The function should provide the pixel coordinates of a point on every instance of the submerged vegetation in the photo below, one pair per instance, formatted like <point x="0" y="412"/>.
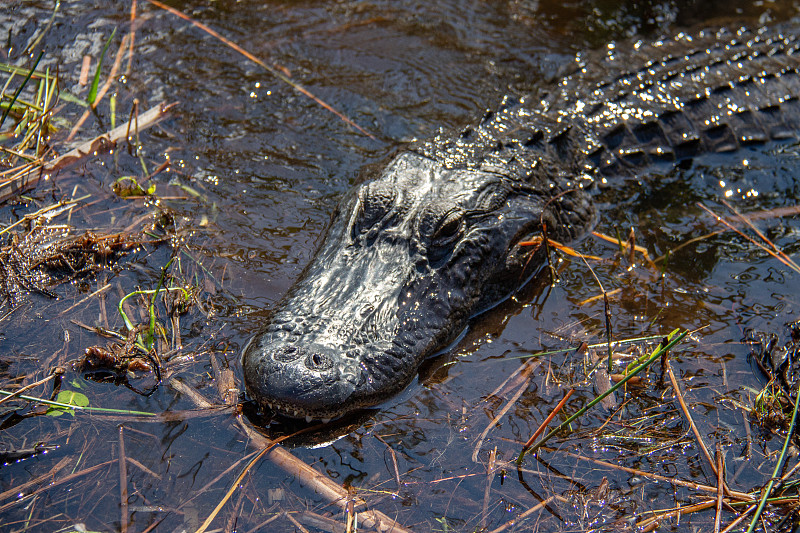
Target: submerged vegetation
<point x="122" y="407"/>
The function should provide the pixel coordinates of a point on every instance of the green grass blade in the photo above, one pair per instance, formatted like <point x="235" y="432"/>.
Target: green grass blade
<point x="151" y="332"/>
<point x="13" y="69"/>
<point x="19" y="89"/>
<point x="76" y="407"/>
<point x="778" y="467"/>
<point x="128" y="324"/>
<point x="42" y="33"/>
<point x="615" y="344"/>
<point x="96" y="80"/>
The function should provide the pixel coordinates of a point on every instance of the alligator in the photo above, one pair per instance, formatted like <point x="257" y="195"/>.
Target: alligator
<point x="435" y="237"/>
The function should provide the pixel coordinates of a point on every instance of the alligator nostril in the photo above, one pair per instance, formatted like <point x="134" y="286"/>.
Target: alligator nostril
<point x="287" y="354"/>
<point x="319" y="362"/>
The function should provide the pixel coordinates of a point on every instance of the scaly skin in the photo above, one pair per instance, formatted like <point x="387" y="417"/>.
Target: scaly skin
<point x="434" y="239"/>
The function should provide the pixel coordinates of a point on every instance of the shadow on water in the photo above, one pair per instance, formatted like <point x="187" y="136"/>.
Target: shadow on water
<point x="255" y="169"/>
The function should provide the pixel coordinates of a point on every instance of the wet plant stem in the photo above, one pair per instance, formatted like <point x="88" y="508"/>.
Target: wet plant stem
<point x="547" y="420"/>
<point x="20" y="88"/>
<point x="778" y="467"/>
<point x="673" y="339"/>
<point x="152" y="308"/>
<point x="19" y="392"/>
<point x="76" y="407"/>
<point x="237" y="482"/>
<point x="687" y="414"/>
<point x="129" y="324"/>
<point x="592" y="346"/>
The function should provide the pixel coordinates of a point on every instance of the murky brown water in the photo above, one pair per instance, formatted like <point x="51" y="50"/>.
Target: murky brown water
<point x="257" y="169"/>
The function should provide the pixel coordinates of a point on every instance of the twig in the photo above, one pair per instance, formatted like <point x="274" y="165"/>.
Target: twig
<point x="59" y="207"/>
<point x="538" y="240"/>
<point x="76" y="304"/>
<point x="123" y="483"/>
<point x="260" y="526"/>
<point x="739" y="519"/>
<point x="487" y="490"/>
<point x="321" y="484"/>
<point x="133" y="37"/>
<point x="236" y="512"/>
<point x="633" y="247"/>
<point x="742" y="496"/>
<point x="525" y="379"/>
<point x="143" y="468"/>
<point x="65" y="479"/>
<point x="226" y="385"/>
<point x="296" y="524"/>
<point x="720" y="488"/>
<point x="394" y="463"/>
<point x="546" y="422"/>
<point x="605" y="295"/>
<point x="607" y="312"/>
<point x="56" y="371"/>
<point x="232" y="488"/>
<point x="323" y="523"/>
<point x="196" y="397"/>
<point x="609" y="334"/>
<point x="758" y="232"/>
<point x="685" y="409"/>
<point x="651" y="522"/>
<point x="17" y="490"/>
<point x="524" y="515"/>
<point x="196" y="493"/>
<point x="779" y="255"/>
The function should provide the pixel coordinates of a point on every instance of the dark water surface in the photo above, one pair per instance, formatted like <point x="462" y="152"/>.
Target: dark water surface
<point x="256" y="171"/>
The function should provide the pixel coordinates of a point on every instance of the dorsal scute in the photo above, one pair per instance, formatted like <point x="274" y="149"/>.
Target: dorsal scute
<point x="636" y="104"/>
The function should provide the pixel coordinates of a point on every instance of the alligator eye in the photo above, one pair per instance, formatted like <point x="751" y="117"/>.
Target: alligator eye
<point x="449" y="228"/>
<point x="375" y="200"/>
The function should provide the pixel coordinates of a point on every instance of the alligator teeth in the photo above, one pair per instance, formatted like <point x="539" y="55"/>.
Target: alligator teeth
<point x="326" y="420"/>
<point x="308" y="419"/>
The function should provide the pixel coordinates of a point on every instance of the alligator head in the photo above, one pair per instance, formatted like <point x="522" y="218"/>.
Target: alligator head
<point x="408" y="258"/>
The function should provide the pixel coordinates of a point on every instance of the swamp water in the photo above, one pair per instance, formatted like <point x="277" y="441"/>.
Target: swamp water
<point x="255" y="171"/>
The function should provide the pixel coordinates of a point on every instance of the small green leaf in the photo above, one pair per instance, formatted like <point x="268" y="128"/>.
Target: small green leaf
<point x="71" y="98"/>
<point x="126" y="186"/>
<point x="68" y="397"/>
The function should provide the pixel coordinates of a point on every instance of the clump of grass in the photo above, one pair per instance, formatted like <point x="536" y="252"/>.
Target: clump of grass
<point x="27" y="99"/>
<point x="635" y="369"/>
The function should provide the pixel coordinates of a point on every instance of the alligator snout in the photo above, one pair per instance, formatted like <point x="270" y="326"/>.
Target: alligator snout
<point x="311" y="381"/>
